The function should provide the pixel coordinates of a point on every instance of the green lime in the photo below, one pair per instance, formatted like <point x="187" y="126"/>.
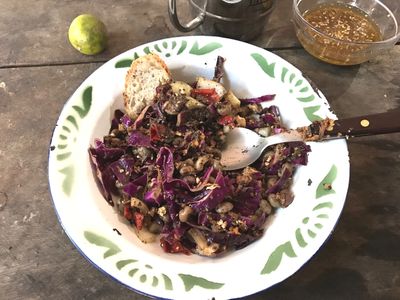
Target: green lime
<point x="88" y="34"/>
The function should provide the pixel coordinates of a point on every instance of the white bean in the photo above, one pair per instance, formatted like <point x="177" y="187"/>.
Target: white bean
<point x="273" y="200"/>
<point x="224" y="207"/>
<point x="184" y="213"/>
<point x="200" y="162"/>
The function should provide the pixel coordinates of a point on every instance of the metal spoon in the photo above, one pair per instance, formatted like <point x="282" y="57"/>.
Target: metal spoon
<point x="244" y="146"/>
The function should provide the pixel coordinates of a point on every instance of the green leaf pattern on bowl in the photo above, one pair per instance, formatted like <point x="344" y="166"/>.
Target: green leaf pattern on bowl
<point x="191" y="281"/>
<point x="171" y="48"/>
<point x="325" y="186"/>
<point x="141" y="272"/>
<point x="67" y="137"/>
<point x="322" y="209"/>
<point x="268" y="68"/>
<point x="100" y="241"/>
<point x="295" y="84"/>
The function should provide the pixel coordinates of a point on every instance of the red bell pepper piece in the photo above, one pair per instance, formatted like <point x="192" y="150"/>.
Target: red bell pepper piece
<point x="204" y="92"/>
<point x="127" y="213"/>
<point x="210" y="94"/>
<point x="174" y="247"/>
<point x="154" y="133"/>
<point x="225" y="120"/>
<point x="164" y="245"/>
<point x="138" y="219"/>
<point x="214" y="98"/>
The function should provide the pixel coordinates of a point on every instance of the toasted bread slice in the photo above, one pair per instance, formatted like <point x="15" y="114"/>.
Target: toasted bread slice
<point x="144" y="76"/>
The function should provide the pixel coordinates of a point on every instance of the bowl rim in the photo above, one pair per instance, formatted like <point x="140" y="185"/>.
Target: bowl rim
<point x="225" y="44"/>
<point x="390" y="40"/>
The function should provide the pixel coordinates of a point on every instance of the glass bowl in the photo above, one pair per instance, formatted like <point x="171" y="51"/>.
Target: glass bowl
<point x="340" y="47"/>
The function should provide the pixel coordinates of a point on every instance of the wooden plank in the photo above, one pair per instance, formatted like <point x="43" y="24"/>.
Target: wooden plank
<point x="36" y="32"/>
<point x="371" y="87"/>
<point x="39" y="35"/>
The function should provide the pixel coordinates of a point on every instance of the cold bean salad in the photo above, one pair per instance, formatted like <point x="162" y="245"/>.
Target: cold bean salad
<point x="162" y="171"/>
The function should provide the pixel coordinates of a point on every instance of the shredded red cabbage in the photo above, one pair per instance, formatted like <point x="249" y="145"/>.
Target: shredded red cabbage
<point x="162" y="172"/>
<point x="258" y="100"/>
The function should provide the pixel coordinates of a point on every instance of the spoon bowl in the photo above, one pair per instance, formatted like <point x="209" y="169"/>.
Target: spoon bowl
<point x="244" y="146"/>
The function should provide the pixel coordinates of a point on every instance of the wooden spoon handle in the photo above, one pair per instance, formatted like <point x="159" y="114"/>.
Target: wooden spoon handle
<point x="382" y="123"/>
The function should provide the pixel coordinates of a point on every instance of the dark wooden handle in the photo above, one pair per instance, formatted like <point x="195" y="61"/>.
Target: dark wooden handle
<point x="387" y="122"/>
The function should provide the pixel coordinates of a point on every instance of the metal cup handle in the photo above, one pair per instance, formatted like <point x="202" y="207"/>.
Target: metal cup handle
<point x="191" y="25"/>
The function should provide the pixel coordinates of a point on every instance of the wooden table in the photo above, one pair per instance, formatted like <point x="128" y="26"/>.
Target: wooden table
<point x="39" y="70"/>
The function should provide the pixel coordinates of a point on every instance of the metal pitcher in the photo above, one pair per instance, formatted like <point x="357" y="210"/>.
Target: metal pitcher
<point x="239" y="19"/>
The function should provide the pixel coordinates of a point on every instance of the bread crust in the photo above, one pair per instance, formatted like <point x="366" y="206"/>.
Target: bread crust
<point x="145" y="74"/>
